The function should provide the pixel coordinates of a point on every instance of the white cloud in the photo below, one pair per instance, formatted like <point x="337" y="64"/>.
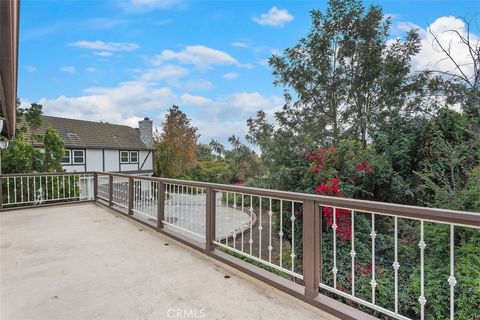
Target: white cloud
<point x="274" y="17"/>
<point x="91" y="70"/>
<point x="68" y="69"/>
<point x="165" y="72"/>
<point x="200" y="56"/>
<point x="230" y="76"/>
<point x="200" y="101"/>
<point x="123" y="104"/>
<point x="103" y="53"/>
<point x="105" y="46"/>
<point x="227" y="115"/>
<point x="431" y="55"/>
<point x="243" y="102"/>
<point x="254" y="101"/>
<point x="219" y="129"/>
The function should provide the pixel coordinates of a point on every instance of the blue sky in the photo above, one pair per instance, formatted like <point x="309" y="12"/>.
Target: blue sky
<point x="119" y="61"/>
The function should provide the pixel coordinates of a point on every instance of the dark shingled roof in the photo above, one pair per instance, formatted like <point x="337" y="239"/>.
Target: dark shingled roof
<point x="89" y="134"/>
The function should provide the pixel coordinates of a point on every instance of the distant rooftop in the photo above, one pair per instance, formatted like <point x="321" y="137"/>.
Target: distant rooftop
<point x="88" y="134"/>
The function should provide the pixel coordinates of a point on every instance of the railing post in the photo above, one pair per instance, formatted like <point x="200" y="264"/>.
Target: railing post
<point x="160" y="204"/>
<point x="210" y="219"/>
<point x="311" y="248"/>
<point x="130" y="195"/>
<point x="95" y="186"/>
<point x="110" y="190"/>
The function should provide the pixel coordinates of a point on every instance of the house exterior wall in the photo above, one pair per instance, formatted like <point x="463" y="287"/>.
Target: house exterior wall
<point x="94" y="160"/>
<point x="112" y="160"/>
<point x="129" y="167"/>
<point x="108" y="160"/>
<point x="145" y="160"/>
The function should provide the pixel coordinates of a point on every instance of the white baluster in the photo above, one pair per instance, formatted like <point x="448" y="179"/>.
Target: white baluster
<point x="334" y="228"/>
<point x="21" y="188"/>
<point x="270" y="213"/>
<point x="373" y="235"/>
<point x="235" y="219"/>
<point x="28" y="189"/>
<point x="451" y="280"/>
<point x="260" y="228"/>
<point x="396" y="265"/>
<point x="250" y="241"/>
<point x="422" y="246"/>
<point x="292" y="218"/>
<point x="352" y="252"/>
<point x="281" y="233"/>
<point x="15" y="189"/>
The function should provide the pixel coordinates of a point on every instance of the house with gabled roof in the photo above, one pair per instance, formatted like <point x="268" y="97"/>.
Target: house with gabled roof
<point x="99" y="146"/>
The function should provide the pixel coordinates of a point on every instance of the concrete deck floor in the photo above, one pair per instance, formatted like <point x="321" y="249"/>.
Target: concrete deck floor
<point x="87" y="262"/>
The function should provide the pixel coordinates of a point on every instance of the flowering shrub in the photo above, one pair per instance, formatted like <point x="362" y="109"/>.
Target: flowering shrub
<point x="321" y="155"/>
<point x="329" y="189"/>
<point x="316" y="168"/>
<point x="364" y="166"/>
<point x="342" y="216"/>
<point x="344" y="226"/>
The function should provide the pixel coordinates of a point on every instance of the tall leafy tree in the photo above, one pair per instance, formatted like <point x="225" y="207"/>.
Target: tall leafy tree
<point x="33" y="117"/>
<point x="243" y="163"/>
<point x="378" y="74"/>
<point x="54" y="151"/>
<point x="218" y="148"/>
<point x="344" y="79"/>
<point x="176" y="145"/>
<point x="21" y="157"/>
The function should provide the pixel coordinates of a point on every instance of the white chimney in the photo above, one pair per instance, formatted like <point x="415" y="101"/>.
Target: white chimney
<point x="145" y="128"/>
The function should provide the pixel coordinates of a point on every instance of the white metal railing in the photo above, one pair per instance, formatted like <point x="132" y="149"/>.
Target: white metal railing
<point x="103" y="186"/>
<point x="334" y="217"/>
<point x="120" y="191"/>
<point x="185" y="209"/>
<point x="145" y="194"/>
<point x="38" y="189"/>
<point x="256" y="227"/>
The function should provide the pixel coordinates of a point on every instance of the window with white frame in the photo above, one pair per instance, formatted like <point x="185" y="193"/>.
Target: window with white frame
<point x="133" y="156"/>
<point x="67" y="158"/>
<point x="124" y="157"/>
<point x="78" y="156"/>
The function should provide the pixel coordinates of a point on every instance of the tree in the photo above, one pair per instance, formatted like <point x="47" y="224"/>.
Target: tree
<point x="243" y="163"/>
<point x="33" y="117"/>
<point x="204" y="152"/>
<point x="379" y="75"/>
<point x="54" y="151"/>
<point x="344" y="75"/>
<point x="21" y="157"/>
<point x="176" y="145"/>
<point x="218" y="148"/>
<point x="449" y="152"/>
